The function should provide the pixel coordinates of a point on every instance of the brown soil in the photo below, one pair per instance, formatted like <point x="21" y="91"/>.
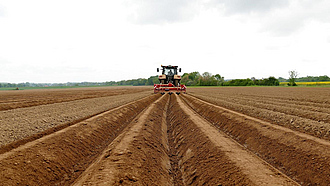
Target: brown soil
<point x="259" y="172"/>
<point x="138" y="156"/>
<point x="62" y="156"/>
<point x="145" y="155"/>
<point x="168" y="140"/>
<point x="300" y="156"/>
<point x="28" y="98"/>
<point x="302" y="109"/>
<point x="22" y="123"/>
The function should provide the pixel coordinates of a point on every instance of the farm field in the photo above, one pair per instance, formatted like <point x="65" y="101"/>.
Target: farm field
<point x="128" y="135"/>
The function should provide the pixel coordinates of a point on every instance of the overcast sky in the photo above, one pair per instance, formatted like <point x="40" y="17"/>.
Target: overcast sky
<point x="73" y="41"/>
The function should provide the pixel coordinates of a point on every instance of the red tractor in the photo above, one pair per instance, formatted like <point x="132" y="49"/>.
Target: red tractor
<point x="169" y="81"/>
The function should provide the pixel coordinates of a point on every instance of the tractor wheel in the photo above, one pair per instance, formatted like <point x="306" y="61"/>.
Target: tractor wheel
<point x="176" y="82"/>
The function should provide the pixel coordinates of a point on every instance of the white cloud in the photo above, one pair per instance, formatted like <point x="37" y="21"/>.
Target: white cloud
<point x="280" y="18"/>
<point x="2" y="11"/>
<point x="251" y="6"/>
<point x="160" y="12"/>
<point x="296" y="17"/>
<point x="64" y="41"/>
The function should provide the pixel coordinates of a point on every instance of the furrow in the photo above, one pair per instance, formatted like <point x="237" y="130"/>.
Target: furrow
<point x="59" y="158"/>
<point x="302" y="157"/>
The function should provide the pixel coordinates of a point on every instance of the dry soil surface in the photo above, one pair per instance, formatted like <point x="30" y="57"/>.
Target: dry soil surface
<point x="200" y="138"/>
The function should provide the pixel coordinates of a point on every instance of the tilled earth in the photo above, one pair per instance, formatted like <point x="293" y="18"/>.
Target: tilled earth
<point x="22" y="123"/>
<point x="304" y="109"/>
<point x="27" y="98"/>
<point x="146" y="139"/>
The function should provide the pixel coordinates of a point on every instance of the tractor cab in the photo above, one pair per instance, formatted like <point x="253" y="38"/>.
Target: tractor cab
<point x="169" y="75"/>
<point x="169" y="70"/>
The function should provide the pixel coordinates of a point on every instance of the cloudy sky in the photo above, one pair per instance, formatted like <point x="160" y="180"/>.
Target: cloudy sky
<point x="75" y="41"/>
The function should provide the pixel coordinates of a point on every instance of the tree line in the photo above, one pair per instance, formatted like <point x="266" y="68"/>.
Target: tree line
<point x="135" y="82"/>
<point x="307" y="79"/>
<point x="207" y="79"/>
<point x="189" y="79"/>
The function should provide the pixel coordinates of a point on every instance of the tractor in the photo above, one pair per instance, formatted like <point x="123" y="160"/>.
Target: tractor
<point x="169" y="81"/>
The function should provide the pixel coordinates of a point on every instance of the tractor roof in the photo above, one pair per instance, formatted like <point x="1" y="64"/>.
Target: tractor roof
<point x="169" y="66"/>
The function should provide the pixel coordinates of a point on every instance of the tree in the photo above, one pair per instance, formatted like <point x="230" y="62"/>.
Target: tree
<point x="324" y="78"/>
<point x="220" y="80"/>
<point x="292" y="78"/>
<point x="280" y="79"/>
<point x="152" y="80"/>
<point x="271" y="81"/>
<point x="192" y="78"/>
<point x="208" y="79"/>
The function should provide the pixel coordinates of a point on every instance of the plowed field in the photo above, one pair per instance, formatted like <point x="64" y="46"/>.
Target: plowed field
<point x="130" y="136"/>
